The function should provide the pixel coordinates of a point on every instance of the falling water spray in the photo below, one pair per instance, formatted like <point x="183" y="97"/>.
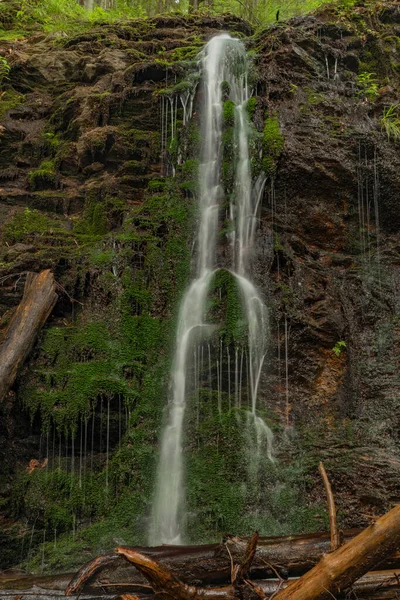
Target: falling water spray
<point x="223" y="61"/>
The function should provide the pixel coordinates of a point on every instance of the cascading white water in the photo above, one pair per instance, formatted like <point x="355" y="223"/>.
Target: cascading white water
<point x="223" y="63"/>
<point x="244" y="207"/>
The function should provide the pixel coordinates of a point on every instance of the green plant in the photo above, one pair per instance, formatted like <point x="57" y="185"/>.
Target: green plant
<point x="339" y="347"/>
<point x="23" y="224"/>
<point x="390" y="122"/>
<point x="368" y="85"/>
<point x="5" y="68"/>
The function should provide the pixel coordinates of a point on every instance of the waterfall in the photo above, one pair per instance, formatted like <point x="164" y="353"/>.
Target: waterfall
<point x="223" y="66"/>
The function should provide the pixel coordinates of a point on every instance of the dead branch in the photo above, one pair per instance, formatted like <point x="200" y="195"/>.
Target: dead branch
<point x="335" y="538"/>
<point x="247" y="560"/>
<point x="36" y="305"/>
<point x="338" y="570"/>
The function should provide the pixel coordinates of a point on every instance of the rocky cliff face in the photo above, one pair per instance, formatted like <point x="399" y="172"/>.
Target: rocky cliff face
<point x="86" y="163"/>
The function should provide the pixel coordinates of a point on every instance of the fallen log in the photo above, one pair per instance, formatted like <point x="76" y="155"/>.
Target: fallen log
<point x="333" y="575"/>
<point x="35" y="307"/>
<point x="338" y="570"/>
<point x="211" y="564"/>
<point x="383" y="586"/>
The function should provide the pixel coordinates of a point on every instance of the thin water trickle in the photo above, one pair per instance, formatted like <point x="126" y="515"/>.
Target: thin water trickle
<point x="107" y="441"/>
<point x="287" y="371"/>
<point x="223" y="61"/>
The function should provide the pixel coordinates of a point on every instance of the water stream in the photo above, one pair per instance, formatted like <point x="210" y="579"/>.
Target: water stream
<point x="224" y="65"/>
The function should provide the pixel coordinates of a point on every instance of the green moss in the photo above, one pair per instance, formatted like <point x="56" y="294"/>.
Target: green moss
<point x="229" y="113"/>
<point x="135" y="167"/>
<point x="192" y="138"/>
<point x="251" y="107"/>
<point x="226" y="308"/>
<point x="314" y="98"/>
<point x="94" y="221"/>
<point x="273" y="143"/>
<point x="25" y="223"/>
<point x="157" y="185"/>
<point x="8" y="100"/>
<point x="184" y="53"/>
<point x="43" y="177"/>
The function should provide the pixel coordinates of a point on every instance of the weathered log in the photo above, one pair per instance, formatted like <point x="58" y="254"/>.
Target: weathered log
<point x="36" y="305"/>
<point x="338" y="571"/>
<point x="374" y="585"/>
<point x="211" y="564"/>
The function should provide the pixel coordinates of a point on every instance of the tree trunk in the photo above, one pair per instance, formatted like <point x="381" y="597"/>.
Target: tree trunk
<point x="36" y="305"/>
<point x="334" y="574"/>
<point x="377" y="585"/>
<point x="211" y="564"/>
<point x="337" y="571"/>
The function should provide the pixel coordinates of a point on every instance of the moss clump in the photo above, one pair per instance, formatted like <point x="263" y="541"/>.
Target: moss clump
<point x="184" y="53"/>
<point x="251" y="107"/>
<point x="43" y="177"/>
<point x="8" y="100"/>
<point x="229" y="113"/>
<point x="23" y="224"/>
<point x="157" y="185"/>
<point x="226" y="307"/>
<point x="97" y="214"/>
<point x="273" y="143"/>
<point x="135" y="167"/>
<point x="228" y="165"/>
<point x="193" y="138"/>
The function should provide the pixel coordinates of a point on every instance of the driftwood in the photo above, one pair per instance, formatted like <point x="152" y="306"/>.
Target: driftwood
<point x="333" y="575"/>
<point x="376" y="585"/>
<point x="211" y="564"/>
<point x="338" y="570"/>
<point x="36" y="305"/>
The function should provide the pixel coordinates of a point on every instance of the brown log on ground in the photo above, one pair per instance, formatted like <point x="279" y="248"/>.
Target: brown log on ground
<point x="211" y="564"/>
<point x="338" y="571"/>
<point x="382" y="585"/>
<point x="375" y="584"/>
<point x="36" y="305"/>
<point x="166" y="585"/>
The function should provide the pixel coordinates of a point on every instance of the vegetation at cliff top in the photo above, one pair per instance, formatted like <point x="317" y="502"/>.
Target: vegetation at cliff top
<point x="69" y="16"/>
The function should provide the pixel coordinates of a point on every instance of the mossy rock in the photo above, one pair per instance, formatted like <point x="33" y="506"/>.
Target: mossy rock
<point x="273" y="143"/>
<point x="229" y="113"/>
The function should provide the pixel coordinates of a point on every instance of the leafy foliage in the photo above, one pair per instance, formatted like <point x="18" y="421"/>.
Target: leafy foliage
<point x="5" y="68"/>
<point x="339" y="347"/>
<point x="69" y="16"/>
<point x="368" y="85"/>
<point x="390" y="122"/>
